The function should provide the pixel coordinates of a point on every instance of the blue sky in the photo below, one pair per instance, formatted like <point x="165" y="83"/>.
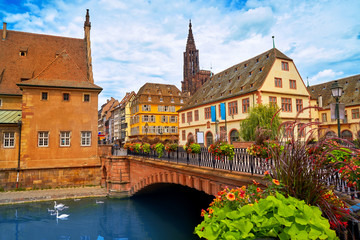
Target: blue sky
<point x="137" y="41"/>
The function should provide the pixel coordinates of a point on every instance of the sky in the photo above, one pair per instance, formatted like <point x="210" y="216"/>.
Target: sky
<point x="137" y="41"/>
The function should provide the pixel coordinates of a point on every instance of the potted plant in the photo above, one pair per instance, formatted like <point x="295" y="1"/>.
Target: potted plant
<point x="171" y="147"/>
<point x="192" y="148"/>
<point x="145" y="147"/>
<point x="221" y="149"/>
<point x="159" y="148"/>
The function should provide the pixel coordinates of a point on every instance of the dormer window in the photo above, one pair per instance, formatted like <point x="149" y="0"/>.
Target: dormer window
<point x="235" y="70"/>
<point x="229" y="91"/>
<point x="260" y="69"/>
<point x="23" y="51"/>
<point x="229" y="80"/>
<point x="219" y="84"/>
<point x="239" y="77"/>
<point x="225" y="73"/>
<point x="250" y="73"/>
<point x="149" y="98"/>
<point x="346" y="83"/>
<point x="172" y="100"/>
<point x="179" y="93"/>
<point x="242" y="88"/>
<point x="267" y="55"/>
<point x="181" y="101"/>
<point x="245" y="65"/>
<point x="251" y="85"/>
<point x="159" y="92"/>
<point x="257" y="60"/>
<point x="161" y="99"/>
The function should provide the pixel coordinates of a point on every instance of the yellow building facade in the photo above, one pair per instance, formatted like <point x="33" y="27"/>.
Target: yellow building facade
<point x="269" y="78"/>
<point x="154" y="112"/>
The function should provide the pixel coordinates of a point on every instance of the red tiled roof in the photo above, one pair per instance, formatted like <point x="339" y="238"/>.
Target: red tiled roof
<point x="41" y="51"/>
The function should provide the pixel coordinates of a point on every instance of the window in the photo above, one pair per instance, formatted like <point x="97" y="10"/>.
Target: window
<point x="86" y="97"/>
<point x="43" y="139"/>
<point x="233" y="109"/>
<point x="164" y="119"/>
<point x="172" y="100"/>
<point x="196" y="113"/>
<point x="355" y="113"/>
<point x="285" y="66"/>
<point x="161" y="99"/>
<point x="145" y="118"/>
<point x="183" y="117"/>
<point x="183" y="135"/>
<point x="299" y="105"/>
<point x="324" y="117"/>
<point x="181" y="101"/>
<point x="292" y="84"/>
<point x="64" y="139"/>
<point x="301" y="130"/>
<point x="9" y="140"/>
<point x="346" y="134"/>
<point x="66" y="96"/>
<point x="287" y="130"/>
<point x="234" y="136"/>
<point x="86" y="138"/>
<point x="44" y="96"/>
<point x="146" y="108"/>
<point x="286" y="104"/>
<point x="189" y="116"/>
<point x="173" y="119"/>
<point x="149" y="98"/>
<point x="278" y="82"/>
<point x="207" y="113"/>
<point x="272" y="101"/>
<point x="0" y="102"/>
<point x="209" y="139"/>
<point x="245" y="105"/>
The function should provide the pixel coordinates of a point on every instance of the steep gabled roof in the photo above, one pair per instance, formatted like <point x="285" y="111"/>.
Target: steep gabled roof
<point x="245" y="77"/>
<point x="351" y="91"/>
<point x="40" y="50"/>
<point x="62" y="72"/>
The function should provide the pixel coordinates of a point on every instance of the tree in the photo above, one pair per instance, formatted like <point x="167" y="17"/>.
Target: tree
<point x="260" y="116"/>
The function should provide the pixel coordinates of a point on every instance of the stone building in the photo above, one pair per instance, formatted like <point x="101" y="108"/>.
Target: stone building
<point x="350" y="120"/>
<point x="269" y="78"/>
<point x="48" y="110"/>
<point x="154" y="112"/>
<point x="194" y="78"/>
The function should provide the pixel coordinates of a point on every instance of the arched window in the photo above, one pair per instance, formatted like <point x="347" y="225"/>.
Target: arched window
<point x="346" y="134"/>
<point x="209" y="139"/>
<point x="191" y="138"/>
<point x="234" y="136"/>
<point x="330" y="134"/>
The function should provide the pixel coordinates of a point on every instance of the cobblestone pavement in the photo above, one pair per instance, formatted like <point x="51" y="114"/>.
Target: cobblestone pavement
<point x="50" y="194"/>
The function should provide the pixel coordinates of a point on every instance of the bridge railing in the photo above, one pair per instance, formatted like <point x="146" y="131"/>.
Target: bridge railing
<point x="242" y="162"/>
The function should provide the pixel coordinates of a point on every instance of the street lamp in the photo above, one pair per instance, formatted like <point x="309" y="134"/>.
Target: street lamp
<point x="336" y="91"/>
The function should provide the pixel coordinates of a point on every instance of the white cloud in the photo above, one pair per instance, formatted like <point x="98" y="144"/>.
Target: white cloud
<point x="324" y="76"/>
<point x="134" y="42"/>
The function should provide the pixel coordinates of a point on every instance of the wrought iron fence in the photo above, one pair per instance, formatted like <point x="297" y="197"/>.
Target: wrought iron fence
<point x="242" y="162"/>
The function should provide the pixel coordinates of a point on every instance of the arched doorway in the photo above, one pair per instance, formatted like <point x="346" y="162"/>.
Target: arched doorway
<point x="190" y="138"/>
<point x="346" y="134"/>
<point x="209" y="139"/>
<point x="234" y="136"/>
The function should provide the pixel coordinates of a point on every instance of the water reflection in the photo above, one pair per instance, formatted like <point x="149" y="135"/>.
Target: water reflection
<point x="159" y="212"/>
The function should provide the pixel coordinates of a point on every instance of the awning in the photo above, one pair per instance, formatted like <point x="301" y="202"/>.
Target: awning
<point x="10" y="116"/>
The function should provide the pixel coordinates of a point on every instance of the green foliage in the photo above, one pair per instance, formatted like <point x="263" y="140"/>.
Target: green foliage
<point x="221" y="149"/>
<point x="137" y="147"/>
<point x="145" y="147"/>
<point x="274" y="216"/>
<point x="192" y="148"/>
<point x="171" y="147"/>
<point x="159" y="148"/>
<point x="261" y="116"/>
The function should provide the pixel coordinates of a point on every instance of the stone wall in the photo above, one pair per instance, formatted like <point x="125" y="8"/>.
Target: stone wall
<point x="51" y="178"/>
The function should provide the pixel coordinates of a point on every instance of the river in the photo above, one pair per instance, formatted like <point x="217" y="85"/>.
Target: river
<point x="161" y="211"/>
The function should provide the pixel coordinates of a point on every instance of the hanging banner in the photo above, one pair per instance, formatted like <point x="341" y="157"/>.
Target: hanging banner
<point x="223" y="111"/>
<point x="213" y="113"/>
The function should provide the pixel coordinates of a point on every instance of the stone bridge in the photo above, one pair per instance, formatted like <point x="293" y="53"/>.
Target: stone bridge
<point x="123" y="176"/>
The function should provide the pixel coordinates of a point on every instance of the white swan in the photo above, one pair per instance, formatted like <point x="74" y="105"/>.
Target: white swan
<point x="60" y="205"/>
<point x="99" y="202"/>
<point x="62" y="216"/>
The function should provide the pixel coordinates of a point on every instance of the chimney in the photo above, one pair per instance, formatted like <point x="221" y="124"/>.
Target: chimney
<point x="4" y="31"/>
<point x="320" y="102"/>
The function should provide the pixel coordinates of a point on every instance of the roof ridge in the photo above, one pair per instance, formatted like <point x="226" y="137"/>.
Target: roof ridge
<point x="41" y="34"/>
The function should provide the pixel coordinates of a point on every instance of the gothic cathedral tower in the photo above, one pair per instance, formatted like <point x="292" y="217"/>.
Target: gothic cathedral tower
<point x="191" y="64"/>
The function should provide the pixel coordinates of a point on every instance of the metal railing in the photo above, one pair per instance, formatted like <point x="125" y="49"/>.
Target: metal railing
<point x="242" y="162"/>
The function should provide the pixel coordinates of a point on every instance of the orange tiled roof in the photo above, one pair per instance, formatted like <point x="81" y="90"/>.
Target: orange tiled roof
<point x="41" y="51"/>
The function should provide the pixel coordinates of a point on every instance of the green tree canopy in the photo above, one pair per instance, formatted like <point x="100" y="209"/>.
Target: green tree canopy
<point x="260" y="116"/>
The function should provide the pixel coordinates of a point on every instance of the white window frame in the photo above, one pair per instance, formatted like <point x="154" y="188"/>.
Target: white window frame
<point x="85" y="139"/>
<point x="43" y="139"/>
<point x="0" y="102"/>
<point x="65" y="138"/>
<point x="173" y="119"/>
<point x="9" y="140"/>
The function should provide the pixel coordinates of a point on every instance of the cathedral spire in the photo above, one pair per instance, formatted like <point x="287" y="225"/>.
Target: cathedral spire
<point x="191" y="63"/>
<point x="87" y="27"/>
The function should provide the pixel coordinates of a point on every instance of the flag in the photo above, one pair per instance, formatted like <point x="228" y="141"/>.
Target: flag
<point x="213" y="113"/>
<point x="222" y="111"/>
